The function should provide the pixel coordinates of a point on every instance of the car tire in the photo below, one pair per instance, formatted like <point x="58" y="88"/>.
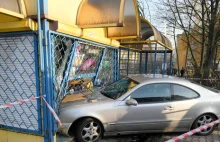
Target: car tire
<point x="88" y="130"/>
<point x="202" y="120"/>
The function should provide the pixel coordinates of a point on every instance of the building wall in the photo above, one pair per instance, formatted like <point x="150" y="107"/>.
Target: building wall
<point x="196" y="49"/>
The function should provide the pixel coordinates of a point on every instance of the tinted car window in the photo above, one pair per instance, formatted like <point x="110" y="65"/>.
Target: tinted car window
<point x="183" y="93"/>
<point x="152" y="93"/>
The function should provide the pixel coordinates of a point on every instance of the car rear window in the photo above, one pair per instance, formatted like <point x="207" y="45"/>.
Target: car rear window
<point x="209" y="88"/>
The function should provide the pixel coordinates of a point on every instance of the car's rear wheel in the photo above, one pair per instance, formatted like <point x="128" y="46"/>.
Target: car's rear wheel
<point x="203" y="120"/>
<point x="88" y="130"/>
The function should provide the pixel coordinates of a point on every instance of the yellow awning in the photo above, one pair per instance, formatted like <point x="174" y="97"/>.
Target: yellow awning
<point x="148" y="30"/>
<point x="100" y="13"/>
<point x="23" y="25"/>
<point x="9" y="16"/>
<point x="131" y="27"/>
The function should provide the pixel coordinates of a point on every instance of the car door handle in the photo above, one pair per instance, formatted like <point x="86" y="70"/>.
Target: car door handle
<point x="168" y="108"/>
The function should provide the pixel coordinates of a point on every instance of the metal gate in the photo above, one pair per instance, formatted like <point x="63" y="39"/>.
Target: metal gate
<point x="19" y="79"/>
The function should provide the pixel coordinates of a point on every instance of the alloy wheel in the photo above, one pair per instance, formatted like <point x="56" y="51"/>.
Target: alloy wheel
<point x="91" y="132"/>
<point x="203" y="120"/>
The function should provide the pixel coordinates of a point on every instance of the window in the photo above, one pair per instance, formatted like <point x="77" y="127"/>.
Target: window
<point x="152" y="93"/>
<point x="118" y="88"/>
<point x="183" y="93"/>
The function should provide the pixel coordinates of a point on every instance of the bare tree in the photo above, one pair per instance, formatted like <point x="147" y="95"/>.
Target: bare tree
<point x="199" y="20"/>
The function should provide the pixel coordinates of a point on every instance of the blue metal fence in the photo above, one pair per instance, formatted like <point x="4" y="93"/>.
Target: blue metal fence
<point x="108" y="66"/>
<point x="131" y="62"/>
<point x="75" y="60"/>
<point x="145" y="62"/>
<point x="19" y="79"/>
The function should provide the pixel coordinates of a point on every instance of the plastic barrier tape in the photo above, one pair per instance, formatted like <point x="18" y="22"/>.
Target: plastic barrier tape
<point x="53" y="113"/>
<point x="192" y="132"/>
<point x="32" y="99"/>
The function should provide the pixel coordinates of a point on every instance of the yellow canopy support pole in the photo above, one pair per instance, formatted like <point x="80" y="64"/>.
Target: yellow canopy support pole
<point x="164" y="45"/>
<point x="121" y="46"/>
<point x="66" y="29"/>
<point x="9" y="16"/>
<point x="91" y="36"/>
<point x="115" y="43"/>
<point x="124" y="37"/>
<point x="102" y="25"/>
<point x="138" y="42"/>
<point x="145" y="42"/>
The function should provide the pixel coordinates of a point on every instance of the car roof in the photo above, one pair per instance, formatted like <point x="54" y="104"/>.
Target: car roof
<point x="141" y="78"/>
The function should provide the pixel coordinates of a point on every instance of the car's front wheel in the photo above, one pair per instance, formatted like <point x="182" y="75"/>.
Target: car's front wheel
<point x="88" y="130"/>
<point x="203" y="120"/>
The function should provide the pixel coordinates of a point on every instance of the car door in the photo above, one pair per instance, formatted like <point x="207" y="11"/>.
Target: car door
<point x="154" y="111"/>
<point x="184" y="100"/>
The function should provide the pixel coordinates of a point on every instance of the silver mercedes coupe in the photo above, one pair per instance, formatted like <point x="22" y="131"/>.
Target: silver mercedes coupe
<point x="141" y="104"/>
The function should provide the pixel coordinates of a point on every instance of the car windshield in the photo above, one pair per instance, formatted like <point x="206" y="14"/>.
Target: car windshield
<point x="119" y="88"/>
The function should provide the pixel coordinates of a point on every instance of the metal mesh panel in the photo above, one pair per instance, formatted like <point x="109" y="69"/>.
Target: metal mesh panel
<point x="143" y="63"/>
<point x="134" y="62"/>
<point x="159" y="63"/>
<point x="19" y="80"/>
<point x="85" y="62"/>
<point x="70" y="76"/>
<point x="150" y="63"/>
<point x="137" y="63"/>
<point x="61" y="49"/>
<point x="106" y="68"/>
<point x="131" y="62"/>
<point x="123" y="62"/>
<point x="168" y="64"/>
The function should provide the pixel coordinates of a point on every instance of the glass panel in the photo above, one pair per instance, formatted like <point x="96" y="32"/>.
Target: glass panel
<point x="152" y="93"/>
<point x="119" y="88"/>
<point x="183" y="93"/>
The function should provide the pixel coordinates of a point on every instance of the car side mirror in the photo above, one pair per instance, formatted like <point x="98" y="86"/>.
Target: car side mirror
<point x="131" y="102"/>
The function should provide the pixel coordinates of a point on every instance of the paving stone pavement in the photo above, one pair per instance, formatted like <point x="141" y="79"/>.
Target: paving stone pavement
<point x="214" y="137"/>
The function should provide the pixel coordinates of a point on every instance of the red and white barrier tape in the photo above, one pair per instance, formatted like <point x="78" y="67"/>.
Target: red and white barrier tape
<point x="192" y="132"/>
<point x="18" y="102"/>
<point x="32" y="99"/>
<point x="53" y="113"/>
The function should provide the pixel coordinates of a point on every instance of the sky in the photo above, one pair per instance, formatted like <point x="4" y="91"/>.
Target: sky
<point x="151" y="11"/>
<point x="150" y="8"/>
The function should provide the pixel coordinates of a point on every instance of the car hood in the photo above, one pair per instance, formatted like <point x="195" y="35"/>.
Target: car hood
<point x="93" y="98"/>
<point x="96" y="102"/>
